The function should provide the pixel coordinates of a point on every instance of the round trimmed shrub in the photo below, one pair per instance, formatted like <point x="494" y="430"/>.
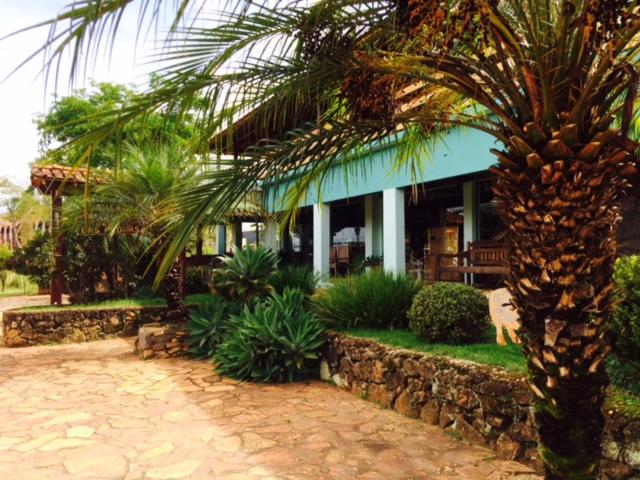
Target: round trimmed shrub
<point x="449" y="313"/>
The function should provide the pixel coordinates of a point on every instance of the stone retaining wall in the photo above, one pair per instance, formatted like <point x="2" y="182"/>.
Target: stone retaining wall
<point x="484" y="405"/>
<point x="157" y="340"/>
<point x="24" y="328"/>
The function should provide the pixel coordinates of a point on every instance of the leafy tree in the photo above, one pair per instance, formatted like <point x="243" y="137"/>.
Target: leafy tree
<point x="77" y="115"/>
<point x="553" y="80"/>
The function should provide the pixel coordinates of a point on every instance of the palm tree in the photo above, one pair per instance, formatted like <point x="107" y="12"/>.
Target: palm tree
<point x="141" y="196"/>
<point x="553" y="80"/>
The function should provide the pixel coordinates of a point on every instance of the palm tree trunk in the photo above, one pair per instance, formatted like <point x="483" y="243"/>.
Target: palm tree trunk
<point x="172" y="289"/>
<point x="561" y="204"/>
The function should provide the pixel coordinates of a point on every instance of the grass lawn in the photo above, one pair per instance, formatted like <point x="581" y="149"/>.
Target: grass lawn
<point x="488" y="352"/>
<point x="118" y="303"/>
<point x="19" y="291"/>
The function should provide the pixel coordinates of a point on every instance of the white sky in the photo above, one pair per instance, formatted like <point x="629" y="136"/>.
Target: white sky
<point x="22" y="96"/>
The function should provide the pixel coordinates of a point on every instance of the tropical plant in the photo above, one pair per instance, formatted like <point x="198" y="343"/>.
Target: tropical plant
<point x="208" y="326"/>
<point x="276" y="341"/>
<point x="140" y="198"/>
<point x="625" y="324"/>
<point x="374" y="299"/>
<point x="554" y="81"/>
<point x="245" y="274"/>
<point x="35" y="260"/>
<point x="449" y="313"/>
<point x="301" y="277"/>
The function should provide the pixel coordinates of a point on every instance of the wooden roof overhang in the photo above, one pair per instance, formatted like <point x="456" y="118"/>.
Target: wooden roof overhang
<point x="62" y="180"/>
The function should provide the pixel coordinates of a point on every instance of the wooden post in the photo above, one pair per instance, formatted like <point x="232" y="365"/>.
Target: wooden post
<point x="58" y="251"/>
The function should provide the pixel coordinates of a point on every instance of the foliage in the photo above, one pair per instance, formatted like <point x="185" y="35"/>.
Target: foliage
<point x="449" y="313"/>
<point x="625" y="321"/>
<point x="625" y="325"/>
<point x="276" y="341"/>
<point x="208" y="326"/>
<point x="555" y="81"/>
<point x="5" y="256"/>
<point x="35" y="260"/>
<point x="140" y="200"/>
<point x="301" y="277"/>
<point x="74" y="116"/>
<point x="196" y="281"/>
<point x="373" y="299"/>
<point x="245" y="275"/>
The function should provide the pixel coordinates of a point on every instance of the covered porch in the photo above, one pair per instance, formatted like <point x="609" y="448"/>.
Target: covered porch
<point x="434" y="232"/>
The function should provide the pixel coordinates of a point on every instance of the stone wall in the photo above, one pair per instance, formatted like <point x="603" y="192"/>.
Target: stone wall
<point x="24" y="328"/>
<point x="484" y="405"/>
<point x="157" y="340"/>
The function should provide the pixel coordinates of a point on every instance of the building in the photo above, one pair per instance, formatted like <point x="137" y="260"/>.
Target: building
<point x="412" y="221"/>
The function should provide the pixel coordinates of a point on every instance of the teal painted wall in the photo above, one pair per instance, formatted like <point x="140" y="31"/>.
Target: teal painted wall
<point x="461" y="152"/>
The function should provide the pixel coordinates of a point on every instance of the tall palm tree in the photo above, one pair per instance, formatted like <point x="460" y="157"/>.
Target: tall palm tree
<point x="553" y="80"/>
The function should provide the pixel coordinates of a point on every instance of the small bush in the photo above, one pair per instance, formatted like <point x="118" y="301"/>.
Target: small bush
<point x="208" y="325"/>
<point x="625" y="321"/>
<point x="275" y="341"/>
<point x="301" y="277"/>
<point x="375" y="299"/>
<point x="244" y="276"/>
<point x="449" y="313"/>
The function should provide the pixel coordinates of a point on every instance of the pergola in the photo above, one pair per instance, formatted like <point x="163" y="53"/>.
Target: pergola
<point x="58" y="181"/>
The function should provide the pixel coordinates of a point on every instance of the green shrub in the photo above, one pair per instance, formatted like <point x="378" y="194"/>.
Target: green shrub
<point x="301" y="277"/>
<point x="625" y="321"/>
<point x="624" y="365"/>
<point x="34" y="259"/>
<point x="245" y="275"/>
<point x="275" y="341"/>
<point x="449" y="313"/>
<point x="375" y="299"/>
<point x="207" y="326"/>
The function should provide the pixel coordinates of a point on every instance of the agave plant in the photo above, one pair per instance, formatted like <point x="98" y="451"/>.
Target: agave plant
<point x="245" y="274"/>
<point x="554" y="81"/>
<point x="276" y="341"/>
<point x="208" y="326"/>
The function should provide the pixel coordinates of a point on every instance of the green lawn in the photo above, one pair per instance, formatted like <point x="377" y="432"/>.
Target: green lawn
<point x="18" y="285"/>
<point x="30" y="289"/>
<point x="118" y="303"/>
<point x="487" y="351"/>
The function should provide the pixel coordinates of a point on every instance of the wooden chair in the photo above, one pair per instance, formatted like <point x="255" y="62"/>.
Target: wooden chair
<point x="482" y="258"/>
<point x="343" y="257"/>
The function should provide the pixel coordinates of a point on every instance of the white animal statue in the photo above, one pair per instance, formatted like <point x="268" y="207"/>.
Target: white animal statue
<point x="504" y="316"/>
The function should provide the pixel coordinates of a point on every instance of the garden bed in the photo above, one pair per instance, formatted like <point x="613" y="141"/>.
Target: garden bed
<point x="480" y="403"/>
<point x="115" y="304"/>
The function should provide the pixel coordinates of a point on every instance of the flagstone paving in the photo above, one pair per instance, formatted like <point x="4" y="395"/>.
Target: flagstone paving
<point x="94" y="411"/>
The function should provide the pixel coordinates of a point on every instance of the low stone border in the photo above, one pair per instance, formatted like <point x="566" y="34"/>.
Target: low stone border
<point x="24" y="328"/>
<point x="484" y="405"/>
<point x="157" y="340"/>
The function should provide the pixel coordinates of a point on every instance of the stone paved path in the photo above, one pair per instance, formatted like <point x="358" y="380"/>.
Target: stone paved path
<point x="94" y="411"/>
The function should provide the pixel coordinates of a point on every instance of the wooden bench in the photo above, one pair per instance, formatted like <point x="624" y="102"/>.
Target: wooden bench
<point x="481" y="258"/>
